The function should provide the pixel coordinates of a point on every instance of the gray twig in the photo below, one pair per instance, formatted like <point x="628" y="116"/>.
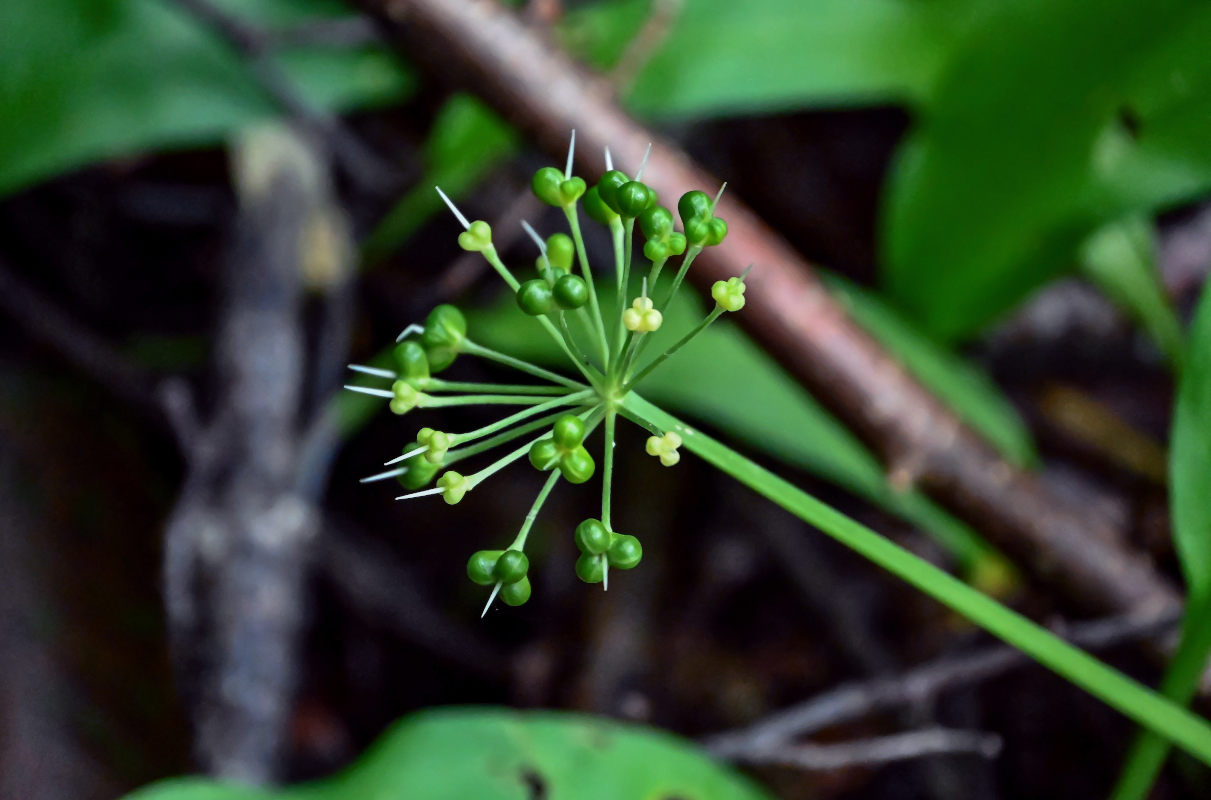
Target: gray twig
<point x="858" y="700"/>
<point x="874" y="751"/>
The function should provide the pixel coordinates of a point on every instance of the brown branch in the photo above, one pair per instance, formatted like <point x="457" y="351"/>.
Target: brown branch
<point x="537" y="86"/>
<point x="872" y="752"/>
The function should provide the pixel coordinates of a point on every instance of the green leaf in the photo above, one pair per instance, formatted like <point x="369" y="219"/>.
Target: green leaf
<point x="1052" y="119"/>
<point x="960" y="384"/>
<point x="1190" y="471"/>
<point x="466" y="141"/>
<point x="82" y="80"/>
<point x="721" y="377"/>
<point x="496" y="754"/>
<point x="1121" y="259"/>
<point x="1146" y="707"/>
<point x="812" y="52"/>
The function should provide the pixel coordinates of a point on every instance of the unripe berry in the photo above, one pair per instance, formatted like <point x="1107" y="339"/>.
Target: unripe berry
<point x="516" y="594"/>
<point x="592" y="537"/>
<point x="570" y="292"/>
<point x="481" y="565"/>
<point x="589" y="568"/>
<point x="534" y="297"/>
<point x="625" y="551"/>
<point x="511" y="567"/>
<point x="568" y="432"/>
<point x="577" y="466"/>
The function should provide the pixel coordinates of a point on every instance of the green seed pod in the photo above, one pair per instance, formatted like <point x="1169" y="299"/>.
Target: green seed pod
<point x="656" y="223"/>
<point x="546" y="184"/>
<point x="571" y="190"/>
<point x="697" y="230"/>
<point x="570" y="292"/>
<point x="589" y="568"/>
<point x="476" y="238"/>
<point x="655" y="251"/>
<point x="695" y="205"/>
<point x="577" y="466"/>
<point x="516" y="594"/>
<point x="420" y="471"/>
<point x="406" y="397"/>
<point x="410" y="361"/>
<point x="481" y="565"/>
<point x="568" y="432"/>
<point x="625" y="551"/>
<point x="511" y="567"/>
<point x="676" y="244"/>
<point x="534" y="297"/>
<point x="445" y="328"/>
<point x="592" y="537"/>
<point x="560" y="251"/>
<point x="596" y="208"/>
<point x="608" y="187"/>
<point x="544" y="454"/>
<point x="716" y="231"/>
<point x="633" y="198"/>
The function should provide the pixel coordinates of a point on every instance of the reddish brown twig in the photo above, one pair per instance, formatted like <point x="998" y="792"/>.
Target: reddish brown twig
<point x="540" y="89"/>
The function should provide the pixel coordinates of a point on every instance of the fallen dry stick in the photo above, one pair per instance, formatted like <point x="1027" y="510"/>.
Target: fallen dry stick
<point x="524" y="76"/>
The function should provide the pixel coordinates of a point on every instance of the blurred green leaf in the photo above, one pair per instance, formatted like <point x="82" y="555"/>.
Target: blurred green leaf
<point x="466" y="140"/>
<point x="724" y="379"/>
<point x="82" y="80"/>
<point x="1190" y="495"/>
<point x="773" y="55"/>
<point x="1052" y="119"/>
<point x="961" y="385"/>
<point x="1121" y="259"/>
<point x="494" y="754"/>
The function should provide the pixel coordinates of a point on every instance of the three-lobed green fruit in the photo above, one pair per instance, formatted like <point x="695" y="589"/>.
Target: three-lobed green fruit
<point x="410" y="361"/>
<point x="445" y="329"/>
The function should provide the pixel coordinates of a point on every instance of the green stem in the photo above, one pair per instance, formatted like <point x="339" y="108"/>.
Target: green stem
<point x="607" y="474"/>
<point x="495" y="400"/>
<point x="437" y="385"/>
<point x="682" y="342"/>
<point x="487" y="430"/>
<point x="519" y="542"/>
<point x="574" y="223"/>
<point x="1144" y="706"/>
<point x="690" y="255"/>
<point x="471" y="348"/>
<point x="654" y="275"/>
<point x="567" y="332"/>
<point x="491" y="256"/>
<point x="455" y="456"/>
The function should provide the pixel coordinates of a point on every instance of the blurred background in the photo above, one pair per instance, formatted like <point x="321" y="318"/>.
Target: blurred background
<point x="209" y="207"/>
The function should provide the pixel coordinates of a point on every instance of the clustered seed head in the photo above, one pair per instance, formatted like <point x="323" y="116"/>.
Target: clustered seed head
<point x="605" y="345"/>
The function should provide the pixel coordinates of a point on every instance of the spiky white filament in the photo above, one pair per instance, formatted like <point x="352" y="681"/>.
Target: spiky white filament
<point x="421" y="493"/>
<point x="405" y="456"/>
<point x="370" y="391"/>
<point x="644" y="162"/>
<point x="542" y="246"/>
<point x="454" y="208"/>
<point x="381" y="373"/>
<point x="491" y="597"/>
<point x="567" y="170"/>
<point x="609" y="159"/>
<point x="384" y="475"/>
<point x="413" y="328"/>
<point x="719" y="195"/>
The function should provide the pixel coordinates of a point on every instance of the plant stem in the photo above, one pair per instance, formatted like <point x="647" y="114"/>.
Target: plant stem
<point x="519" y="542"/>
<point x="471" y="348"/>
<point x="607" y="475"/>
<point x="496" y="400"/>
<point x="1146" y="707"/>
<point x="463" y="438"/>
<point x="682" y="342"/>
<point x="507" y="436"/>
<point x="578" y="239"/>
<point x="436" y="385"/>
<point x="690" y="255"/>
